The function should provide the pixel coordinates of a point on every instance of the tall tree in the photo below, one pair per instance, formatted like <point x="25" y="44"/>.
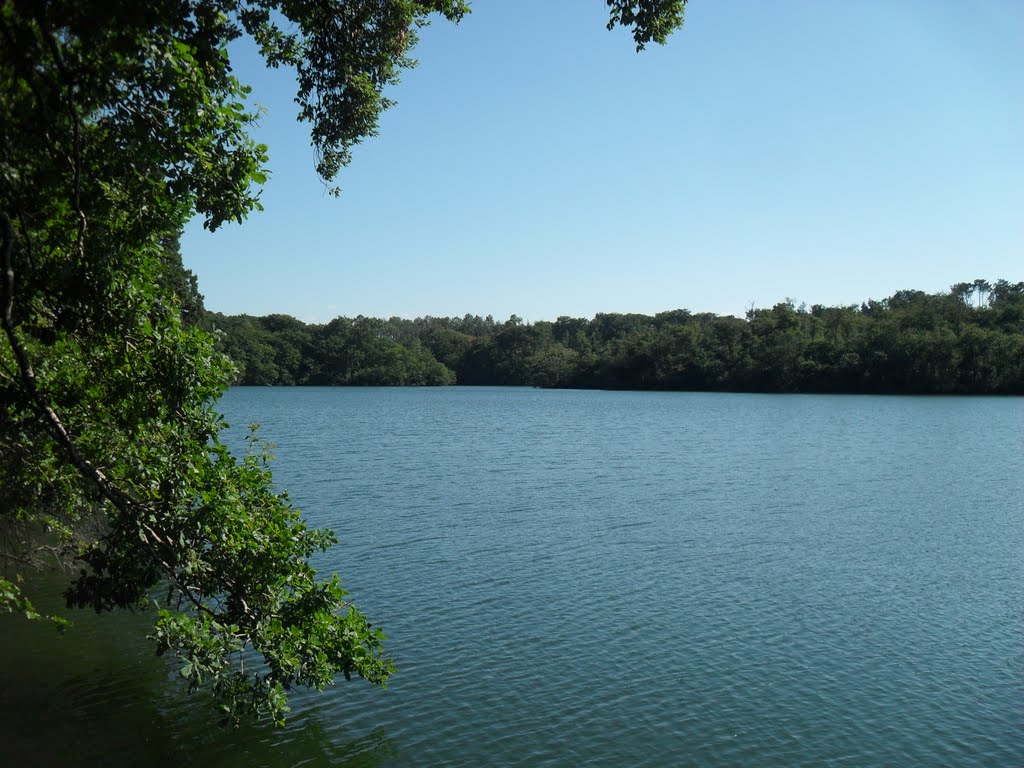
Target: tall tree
<point x="119" y="122"/>
<point x="982" y="289"/>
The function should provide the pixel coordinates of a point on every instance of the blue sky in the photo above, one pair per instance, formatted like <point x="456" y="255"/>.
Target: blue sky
<point x="535" y="164"/>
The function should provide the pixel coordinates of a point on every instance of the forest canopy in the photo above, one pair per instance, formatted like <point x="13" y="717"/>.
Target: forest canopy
<point x="967" y="341"/>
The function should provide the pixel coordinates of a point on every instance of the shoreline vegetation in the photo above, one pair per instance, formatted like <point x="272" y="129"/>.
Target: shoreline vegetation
<point x="969" y="340"/>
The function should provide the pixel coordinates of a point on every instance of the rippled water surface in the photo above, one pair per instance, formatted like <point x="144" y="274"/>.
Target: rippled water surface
<point x="597" y="578"/>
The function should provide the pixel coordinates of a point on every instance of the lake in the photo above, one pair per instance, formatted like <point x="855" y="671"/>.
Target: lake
<point x="610" y="579"/>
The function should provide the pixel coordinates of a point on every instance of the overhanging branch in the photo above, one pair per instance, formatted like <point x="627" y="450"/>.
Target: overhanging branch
<point x="127" y="506"/>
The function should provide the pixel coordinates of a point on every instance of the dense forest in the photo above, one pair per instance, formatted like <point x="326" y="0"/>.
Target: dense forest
<point x="969" y="340"/>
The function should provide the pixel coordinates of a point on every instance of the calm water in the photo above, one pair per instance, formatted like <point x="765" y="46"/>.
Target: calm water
<point x="596" y="578"/>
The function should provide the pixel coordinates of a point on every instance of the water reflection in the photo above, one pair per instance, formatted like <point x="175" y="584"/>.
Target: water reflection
<point x="98" y="695"/>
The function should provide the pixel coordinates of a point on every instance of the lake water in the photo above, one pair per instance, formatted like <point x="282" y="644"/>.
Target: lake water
<point x="611" y="579"/>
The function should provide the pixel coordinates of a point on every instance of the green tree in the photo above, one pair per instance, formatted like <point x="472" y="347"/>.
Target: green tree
<point x="982" y="288"/>
<point x="181" y="282"/>
<point x="119" y="122"/>
<point x="447" y="345"/>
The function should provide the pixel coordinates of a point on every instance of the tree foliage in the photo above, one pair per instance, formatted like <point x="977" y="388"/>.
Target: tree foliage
<point x="119" y="122"/>
<point x="911" y="342"/>
<point x="650" y="19"/>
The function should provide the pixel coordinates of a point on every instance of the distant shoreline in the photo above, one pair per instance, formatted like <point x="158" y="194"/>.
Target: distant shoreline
<point x="969" y="341"/>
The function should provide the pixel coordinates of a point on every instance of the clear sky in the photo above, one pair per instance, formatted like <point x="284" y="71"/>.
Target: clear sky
<point x="826" y="151"/>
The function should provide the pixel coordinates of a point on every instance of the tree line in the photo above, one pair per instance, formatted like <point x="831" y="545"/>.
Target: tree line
<point x="969" y="340"/>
